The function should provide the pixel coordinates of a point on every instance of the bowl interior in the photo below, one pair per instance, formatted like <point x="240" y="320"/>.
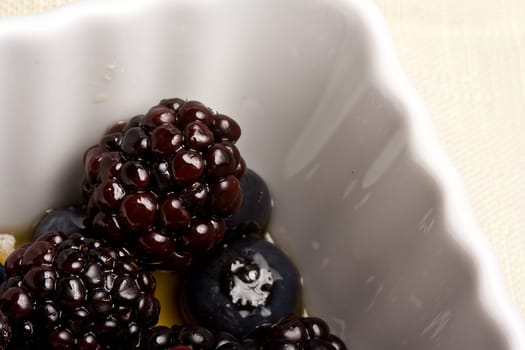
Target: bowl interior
<point x="353" y="207"/>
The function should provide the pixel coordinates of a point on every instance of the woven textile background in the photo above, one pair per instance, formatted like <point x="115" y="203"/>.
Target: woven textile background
<point x="467" y="60"/>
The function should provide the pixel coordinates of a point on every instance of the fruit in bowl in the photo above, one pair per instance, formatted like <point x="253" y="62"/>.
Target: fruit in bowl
<point x="366" y="204"/>
<point x="160" y="191"/>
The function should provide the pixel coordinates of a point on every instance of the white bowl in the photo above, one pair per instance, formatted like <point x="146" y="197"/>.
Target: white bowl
<point x="365" y="200"/>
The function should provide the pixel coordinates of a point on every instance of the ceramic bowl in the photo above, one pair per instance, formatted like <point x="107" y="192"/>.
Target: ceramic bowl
<point x="366" y="202"/>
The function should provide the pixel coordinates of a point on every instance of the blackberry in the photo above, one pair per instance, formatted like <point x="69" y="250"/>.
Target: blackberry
<point x="73" y="292"/>
<point x="187" y="338"/>
<point x="295" y="332"/>
<point x="162" y="183"/>
<point x="291" y="332"/>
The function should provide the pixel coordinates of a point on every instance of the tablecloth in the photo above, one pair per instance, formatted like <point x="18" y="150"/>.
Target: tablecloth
<point x="467" y="60"/>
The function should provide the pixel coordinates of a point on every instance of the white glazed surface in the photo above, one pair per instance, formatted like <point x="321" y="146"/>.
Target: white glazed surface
<point x="366" y="202"/>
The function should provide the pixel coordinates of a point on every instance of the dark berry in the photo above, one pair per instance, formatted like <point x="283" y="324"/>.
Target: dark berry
<point x="108" y="225"/>
<point x="220" y="161"/>
<point x="133" y="122"/>
<point x="292" y="331"/>
<point x="13" y="261"/>
<point x="40" y="281"/>
<point x="287" y="333"/>
<point x="173" y="214"/>
<point x="198" y="136"/>
<point x="109" y="165"/>
<point x="186" y="338"/>
<point x="159" y="115"/>
<point x="316" y="327"/>
<point x="91" y="162"/>
<point x="243" y="285"/>
<point x="336" y="342"/>
<point x="5" y="332"/>
<point x="196" y="337"/>
<point x="137" y="212"/>
<point x="67" y="220"/>
<point x="111" y="142"/>
<point x="38" y="253"/>
<point x="165" y="140"/>
<point x="172" y="103"/>
<point x="88" y="341"/>
<point x="163" y="183"/>
<point x="202" y="235"/>
<point x="226" y="128"/>
<point x="192" y="111"/>
<point x="3" y="276"/>
<point x="16" y="304"/>
<point x="61" y="339"/>
<point x="134" y="176"/>
<point x="73" y="292"/>
<point x="108" y="195"/>
<point x="158" y="338"/>
<point x="226" y="196"/>
<point x="195" y="195"/>
<point x="240" y="169"/>
<point x="135" y="142"/>
<point x="187" y="167"/>
<point x="254" y="214"/>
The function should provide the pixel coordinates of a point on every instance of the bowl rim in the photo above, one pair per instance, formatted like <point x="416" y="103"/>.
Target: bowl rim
<point x="428" y="152"/>
<point x="423" y="141"/>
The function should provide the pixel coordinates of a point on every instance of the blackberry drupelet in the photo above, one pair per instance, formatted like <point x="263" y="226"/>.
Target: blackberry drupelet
<point x="73" y="292"/>
<point x="162" y="183"/>
<point x="5" y="332"/>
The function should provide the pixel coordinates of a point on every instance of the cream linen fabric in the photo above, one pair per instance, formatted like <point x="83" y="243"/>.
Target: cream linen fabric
<point x="467" y="60"/>
<point x="27" y="7"/>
